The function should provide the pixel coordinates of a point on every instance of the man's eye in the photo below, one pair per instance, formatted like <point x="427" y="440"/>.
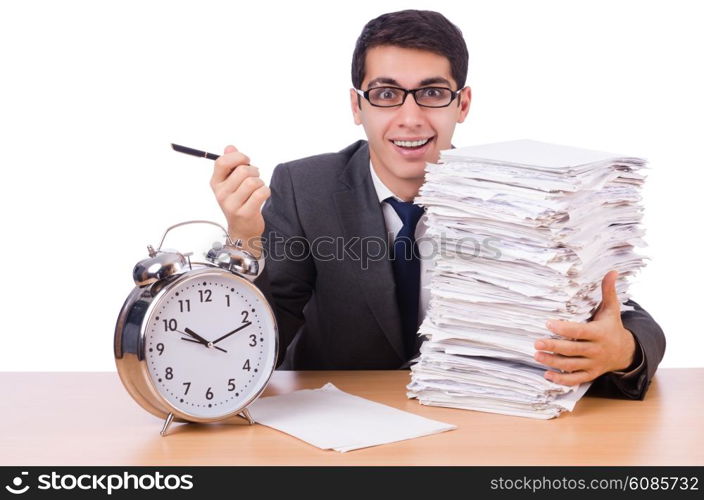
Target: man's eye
<point x="431" y="92"/>
<point x="386" y="94"/>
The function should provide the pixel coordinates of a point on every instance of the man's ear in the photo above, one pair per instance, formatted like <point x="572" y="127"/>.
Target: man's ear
<point x="354" y="103"/>
<point x="465" y="101"/>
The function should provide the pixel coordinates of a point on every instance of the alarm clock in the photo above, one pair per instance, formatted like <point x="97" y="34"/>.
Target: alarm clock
<point x="196" y="341"/>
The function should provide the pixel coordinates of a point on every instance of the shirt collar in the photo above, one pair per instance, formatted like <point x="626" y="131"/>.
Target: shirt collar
<point x="382" y="191"/>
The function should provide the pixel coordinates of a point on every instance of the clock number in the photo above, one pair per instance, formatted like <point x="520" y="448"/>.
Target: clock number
<point x="188" y="305"/>
<point x="209" y="394"/>
<point x="188" y="386"/>
<point x="246" y="315"/>
<point x="253" y="339"/>
<point x="169" y="373"/>
<point x="246" y="366"/>
<point x="227" y="298"/>
<point x="160" y="348"/>
<point x="170" y="325"/>
<point x="231" y="384"/>
<point x="205" y="295"/>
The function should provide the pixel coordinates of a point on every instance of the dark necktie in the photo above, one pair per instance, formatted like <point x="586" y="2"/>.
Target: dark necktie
<point x="406" y="265"/>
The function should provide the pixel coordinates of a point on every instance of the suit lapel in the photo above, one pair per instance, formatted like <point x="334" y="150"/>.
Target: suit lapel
<point x="361" y="219"/>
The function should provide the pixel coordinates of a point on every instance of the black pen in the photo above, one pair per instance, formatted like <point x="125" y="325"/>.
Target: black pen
<point x="194" y="152"/>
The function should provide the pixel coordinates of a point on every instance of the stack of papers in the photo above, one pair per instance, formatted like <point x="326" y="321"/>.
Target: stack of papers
<point x="524" y="232"/>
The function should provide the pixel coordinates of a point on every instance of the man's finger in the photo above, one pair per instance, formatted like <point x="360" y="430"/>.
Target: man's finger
<point x="236" y="199"/>
<point x="564" y="347"/>
<point x="236" y="178"/>
<point x="226" y="164"/>
<point x="256" y="199"/>
<point x="568" y="378"/>
<point x="566" y="363"/>
<point x="571" y="329"/>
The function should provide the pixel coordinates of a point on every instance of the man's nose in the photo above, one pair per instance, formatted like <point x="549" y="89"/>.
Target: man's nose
<point x="410" y="114"/>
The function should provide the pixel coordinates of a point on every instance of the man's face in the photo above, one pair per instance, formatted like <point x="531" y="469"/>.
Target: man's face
<point x="385" y="127"/>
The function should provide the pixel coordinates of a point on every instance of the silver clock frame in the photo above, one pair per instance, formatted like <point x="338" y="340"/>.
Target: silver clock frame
<point x="130" y="338"/>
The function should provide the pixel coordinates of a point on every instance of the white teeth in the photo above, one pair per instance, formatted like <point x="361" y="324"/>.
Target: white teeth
<point x="411" y="144"/>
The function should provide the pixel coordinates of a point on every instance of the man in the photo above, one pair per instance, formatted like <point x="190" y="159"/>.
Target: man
<point x="330" y="221"/>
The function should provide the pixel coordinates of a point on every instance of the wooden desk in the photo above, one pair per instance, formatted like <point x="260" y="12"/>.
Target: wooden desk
<point x="89" y="419"/>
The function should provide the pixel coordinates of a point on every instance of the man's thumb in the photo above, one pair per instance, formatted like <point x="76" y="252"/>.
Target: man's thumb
<point x="609" y="297"/>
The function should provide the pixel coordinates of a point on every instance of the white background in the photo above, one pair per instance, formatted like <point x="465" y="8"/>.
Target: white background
<point x="92" y="93"/>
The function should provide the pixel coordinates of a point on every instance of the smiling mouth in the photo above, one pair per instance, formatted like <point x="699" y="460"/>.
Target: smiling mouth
<point x="417" y="144"/>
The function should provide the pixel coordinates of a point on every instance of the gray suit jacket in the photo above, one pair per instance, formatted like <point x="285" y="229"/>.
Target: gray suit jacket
<point x="331" y="284"/>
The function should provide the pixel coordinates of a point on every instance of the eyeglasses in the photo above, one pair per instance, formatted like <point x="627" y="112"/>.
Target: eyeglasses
<point x="427" y="97"/>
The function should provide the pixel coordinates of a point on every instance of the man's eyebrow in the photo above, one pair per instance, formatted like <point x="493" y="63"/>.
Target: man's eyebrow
<point x="390" y="81"/>
<point x="384" y="80"/>
<point x="434" y="80"/>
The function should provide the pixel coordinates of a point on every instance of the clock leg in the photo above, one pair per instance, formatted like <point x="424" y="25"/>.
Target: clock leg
<point x="167" y="423"/>
<point x="245" y="414"/>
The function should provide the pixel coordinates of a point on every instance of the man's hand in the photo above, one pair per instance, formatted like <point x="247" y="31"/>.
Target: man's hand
<point x="240" y="192"/>
<point x="591" y="349"/>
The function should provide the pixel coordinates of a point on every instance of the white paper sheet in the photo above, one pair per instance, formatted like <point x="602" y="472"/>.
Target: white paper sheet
<point x="332" y="419"/>
<point x="537" y="154"/>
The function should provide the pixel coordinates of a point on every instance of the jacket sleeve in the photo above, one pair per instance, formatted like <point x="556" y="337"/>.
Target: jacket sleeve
<point x="289" y="273"/>
<point x="634" y="383"/>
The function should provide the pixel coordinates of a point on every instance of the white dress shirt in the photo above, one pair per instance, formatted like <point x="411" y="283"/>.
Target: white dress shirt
<point x="393" y="226"/>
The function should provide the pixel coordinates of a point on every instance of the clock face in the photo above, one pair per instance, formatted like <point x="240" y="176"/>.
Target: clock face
<point x="210" y="343"/>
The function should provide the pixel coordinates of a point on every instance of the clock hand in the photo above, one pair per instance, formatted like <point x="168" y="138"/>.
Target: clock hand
<point x="195" y="336"/>
<point x="199" y="342"/>
<point x="199" y="339"/>
<point x="232" y="332"/>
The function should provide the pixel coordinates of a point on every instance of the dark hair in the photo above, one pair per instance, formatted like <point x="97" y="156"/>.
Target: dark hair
<point x="413" y="29"/>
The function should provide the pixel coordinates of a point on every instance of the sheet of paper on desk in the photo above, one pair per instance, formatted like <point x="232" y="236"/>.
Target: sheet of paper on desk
<point x="526" y="232"/>
<point x="332" y="419"/>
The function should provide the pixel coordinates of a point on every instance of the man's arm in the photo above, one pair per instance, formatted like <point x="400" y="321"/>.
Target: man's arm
<point x="633" y="382"/>
<point x="289" y="274"/>
<point x="286" y="282"/>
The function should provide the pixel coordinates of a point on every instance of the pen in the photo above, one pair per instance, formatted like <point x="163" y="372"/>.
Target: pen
<point x="194" y="152"/>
